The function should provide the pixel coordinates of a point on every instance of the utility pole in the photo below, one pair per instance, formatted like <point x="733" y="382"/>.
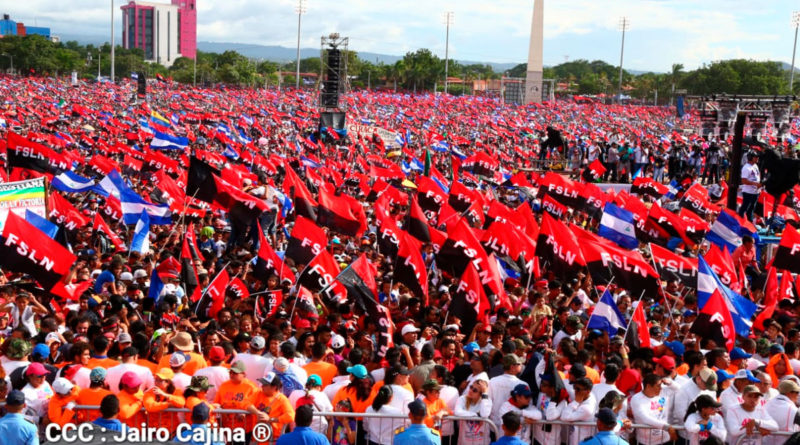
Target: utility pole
<point x="301" y="9"/>
<point x="112" y="41"/>
<point x="99" y="56"/>
<point x="624" y="24"/>
<point x="194" y="74"/>
<point x="448" y="20"/>
<point x="796" y="24"/>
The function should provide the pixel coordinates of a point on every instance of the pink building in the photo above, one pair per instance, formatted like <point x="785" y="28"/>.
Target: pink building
<point x="187" y="27"/>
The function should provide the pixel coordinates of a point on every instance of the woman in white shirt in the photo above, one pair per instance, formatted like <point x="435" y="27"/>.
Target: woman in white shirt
<point x="380" y="431"/>
<point x="474" y="403"/>
<point x="703" y="420"/>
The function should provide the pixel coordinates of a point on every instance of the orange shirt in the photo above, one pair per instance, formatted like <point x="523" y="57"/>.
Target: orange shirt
<point x="155" y="404"/>
<point x="130" y="409"/>
<point x="148" y="364"/>
<point x="232" y="395"/>
<point x="277" y="407"/>
<point x="57" y="410"/>
<point x="195" y="362"/>
<point x="192" y="401"/>
<point x="592" y="374"/>
<point x="104" y="362"/>
<point x="324" y="370"/>
<point x="90" y="397"/>
<point x="683" y="369"/>
<point x="359" y="406"/>
<point x="433" y="408"/>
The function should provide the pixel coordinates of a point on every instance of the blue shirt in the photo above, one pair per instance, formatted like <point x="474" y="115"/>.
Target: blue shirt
<point x="303" y="435"/>
<point x="509" y="440"/>
<point x="604" y="438"/>
<point x="417" y="434"/>
<point x="15" y="430"/>
<point x="108" y="424"/>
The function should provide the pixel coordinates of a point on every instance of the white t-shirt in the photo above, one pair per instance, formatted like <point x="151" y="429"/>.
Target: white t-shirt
<point x="379" y="430"/>
<point x="217" y="375"/>
<point x="115" y="373"/>
<point x="736" y="417"/>
<point x="750" y="172"/>
<point x="653" y="411"/>
<point x="256" y="366"/>
<point x="27" y="319"/>
<point x="37" y="399"/>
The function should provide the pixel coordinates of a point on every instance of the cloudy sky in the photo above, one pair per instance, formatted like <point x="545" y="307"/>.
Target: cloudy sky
<point x="662" y="32"/>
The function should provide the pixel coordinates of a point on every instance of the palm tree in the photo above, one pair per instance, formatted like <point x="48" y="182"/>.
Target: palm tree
<point x="675" y="77"/>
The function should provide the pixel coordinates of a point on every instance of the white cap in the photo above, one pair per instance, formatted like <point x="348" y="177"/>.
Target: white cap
<point x="337" y="341"/>
<point x="409" y="328"/>
<point x="281" y="364"/>
<point x="96" y="273"/>
<point x="62" y="386"/>
<point x="177" y="359"/>
<point x="126" y="276"/>
<point x="139" y="273"/>
<point x="51" y="337"/>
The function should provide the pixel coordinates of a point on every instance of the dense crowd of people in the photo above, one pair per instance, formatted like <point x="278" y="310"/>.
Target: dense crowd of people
<point x="265" y="269"/>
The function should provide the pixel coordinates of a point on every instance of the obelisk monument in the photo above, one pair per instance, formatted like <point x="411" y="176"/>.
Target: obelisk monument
<point x="533" y="79"/>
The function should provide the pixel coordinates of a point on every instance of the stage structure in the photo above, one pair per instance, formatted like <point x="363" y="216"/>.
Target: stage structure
<point x="333" y="81"/>
<point x="721" y="114"/>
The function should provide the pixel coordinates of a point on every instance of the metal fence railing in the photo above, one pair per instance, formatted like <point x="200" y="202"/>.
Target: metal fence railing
<point x="779" y="438"/>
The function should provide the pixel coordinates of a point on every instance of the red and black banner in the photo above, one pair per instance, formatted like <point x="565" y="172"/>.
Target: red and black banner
<point x="674" y="267"/>
<point x="647" y="186"/>
<point x="553" y="207"/>
<point x="557" y="247"/>
<point x="470" y="304"/>
<point x="695" y="227"/>
<point x="24" y="153"/>
<point x="269" y="264"/>
<point x="320" y="276"/>
<point x="389" y="237"/>
<point x="627" y="268"/>
<point x="341" y="213"/>
<point x="715" y="322"/>
<point x="359" y="280"/>
<point x="417" y="222"/>
<point x="306" y="241"/>
<point x="409" y="268"/>
<point x="267" y="304"/>
<point x="190" y="254"/>
<point x="304" y="203"/>
<point x="788" y="255"/>
<point x="431" y="197"/>
<point x="594" y="171"/>
<point x="562" y="190"/>
<point x="462" y="198"/>
<point x="200" y="180"/>
<point x="238" y="288"/>
<point x="696" y="200"/>
<point x="26" y="249"/>
<point x="480" y="164"/>
<point x="721" y="263"/>
<point x="62" y="212"/>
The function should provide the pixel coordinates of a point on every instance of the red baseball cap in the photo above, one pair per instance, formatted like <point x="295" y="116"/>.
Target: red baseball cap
<point x="666" y="362"/>
<point x="216" y="354"/>
<point x="303" y="324"/>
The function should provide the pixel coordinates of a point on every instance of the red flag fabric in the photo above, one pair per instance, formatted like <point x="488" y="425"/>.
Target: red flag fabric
<point x="320" y="276"/>
<point x="306" y="241"/>
<point x="470" y="304"/>
<point x="269" y="263"/>
<point x="238" y="287"/>
<point x="64" y="213"/>
<point x="715" y="322"/>
<point x="722" y="265"/>
<point x="216" y="293"/>
<point x="787" y="257"/>
<point x="557" y="247"/>
<point x="771" y="291"/>
<point x="101" y="226"/>
<point x="28" y="250"/>
<point x="72" y="291"/>
<point x="643" y="330"/>
<point x="410" y="267"/>
<point x="343" y="213"/>
<point x="674" y="267"/>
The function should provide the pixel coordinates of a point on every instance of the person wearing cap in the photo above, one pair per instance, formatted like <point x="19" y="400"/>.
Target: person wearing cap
<point x="665" y="367"/>
<point x="257" y="365"/>
<point x="402" y="394"/>
<point x="703" y="382"/>
<point x="37" y="392"/>
<point x="216" y="373"/>
<point x="651" y="407"/>
<point x="520" y="403"/>
<point x="130" y="356"/>
<point x="238" y="393"/>
<point x="130" y="399"/>
<point x="738" y="358"/>
<point x="417" y="433"/>
<point x="303" y="433"/>
<point x="39" y="355"/>
<point x="765" y="386"/>
<point x="606" y="422"/>
<point x="783" y="409"/>
<point x="500" y="387"/>
<point x="580" y="409"/>
<point x="724" y="379"/>
<point x="483" y="336"/>
<point x="703" y="421"/>
<point x="16" y="354"/>
<point x="14" y="428"/>
<point x="182" y="341"/>
<point x="177" y="361"/>
<point x="93" y="395"/>
<point x="410" y="335"/>
<point x="195" y="392"/>
<point x="201" y="414"/>
<point x="272" y="402"/>
<point x="358" y="391"/>
<point x="313" y="395"/>
<point x="434" y="404"/>
<point x="733" y="395"/>
<point x="60" y="410"/>
<point x="572" y="329"/>
<point x="749" y="417"/>
<point x="161" y="396"/>
<point x="751" y="183"/>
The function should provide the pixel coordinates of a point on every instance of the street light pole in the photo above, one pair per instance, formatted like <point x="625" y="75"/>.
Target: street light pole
<point x="112" y="40"/>
<point x="194" y="75"/>
<point x="448" y="20"/>
<point x="796" y="24"/>
<point x="301" y="4"/>
<point x="624" y="23"/>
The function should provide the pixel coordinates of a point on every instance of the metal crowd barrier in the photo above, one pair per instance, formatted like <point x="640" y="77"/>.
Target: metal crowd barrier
<point x="757" y="437"/>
